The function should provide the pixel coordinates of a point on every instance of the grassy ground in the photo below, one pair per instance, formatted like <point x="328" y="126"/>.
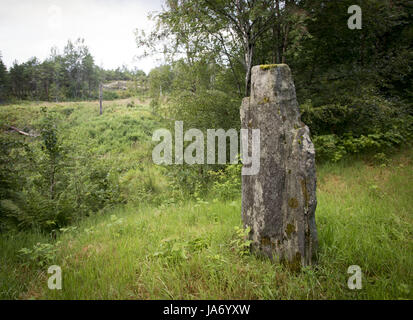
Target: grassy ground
<point x="192" y="251"/>
<point x="120" y="137"/>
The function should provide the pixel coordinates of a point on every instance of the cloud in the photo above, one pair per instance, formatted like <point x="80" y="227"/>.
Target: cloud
<point x="31" y="28"/>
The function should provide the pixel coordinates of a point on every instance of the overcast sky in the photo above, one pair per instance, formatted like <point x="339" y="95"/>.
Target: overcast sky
<point x="31" y="28"/>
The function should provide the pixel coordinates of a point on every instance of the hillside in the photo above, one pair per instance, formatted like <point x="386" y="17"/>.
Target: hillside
<point x="143" y="240"/>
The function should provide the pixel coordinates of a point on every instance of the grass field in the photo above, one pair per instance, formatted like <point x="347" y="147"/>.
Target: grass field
<point x="192" y="250"/>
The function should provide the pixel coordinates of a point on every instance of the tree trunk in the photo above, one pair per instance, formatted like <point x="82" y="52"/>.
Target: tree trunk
<point x="248" y="63"/>
<point x="277" y="33"/>
<point x="285" y="43"/>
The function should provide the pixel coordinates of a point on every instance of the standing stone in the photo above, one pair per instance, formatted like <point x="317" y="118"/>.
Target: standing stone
<point x="279" y="202"/>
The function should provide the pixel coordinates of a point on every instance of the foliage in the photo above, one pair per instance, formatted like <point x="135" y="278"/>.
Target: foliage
<point x="241" y="244"/>
<point x="363" y="218"/>
<point x="236" y="36"/>
<point x="226" y="182"/>
<point x="41" y="254"/>
<point x="332" y="147"/>
<point x="71" y="75"/>
<point x="66" y="173"/>
<point x="4" y="81"/>
<point x="354" y="89"/>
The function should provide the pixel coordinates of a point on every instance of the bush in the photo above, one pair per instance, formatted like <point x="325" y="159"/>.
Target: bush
<point x="206" y="109"/>
<point x="369" y="123"/>
<point x="227" y="182"/>
<point x="50" y="183"/>
<point x="333" y="148"/>
<point x="110" y="95"/>
<point x="328" y="147"/>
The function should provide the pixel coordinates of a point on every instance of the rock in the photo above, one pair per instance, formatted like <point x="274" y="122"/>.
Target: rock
<point x="279" y="202"/>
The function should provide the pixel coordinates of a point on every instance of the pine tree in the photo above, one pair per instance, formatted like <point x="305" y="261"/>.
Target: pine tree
<point x="4" y="81"/>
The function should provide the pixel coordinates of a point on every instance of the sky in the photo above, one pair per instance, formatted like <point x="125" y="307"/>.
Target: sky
<point x="32" y="28"/>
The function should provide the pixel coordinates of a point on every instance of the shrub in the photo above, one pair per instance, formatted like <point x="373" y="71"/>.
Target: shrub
<point x="51" y="183"/>
<point x="328" y="148"/>
<point x="41" y="254"/>
<point x="241" y="244"/>
<point x="367" y="124"/>
<point x="227" y="182"/>
<point x="110" y="95"/>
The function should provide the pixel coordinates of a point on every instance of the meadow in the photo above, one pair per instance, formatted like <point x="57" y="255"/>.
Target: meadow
<point x="151" y="240"/>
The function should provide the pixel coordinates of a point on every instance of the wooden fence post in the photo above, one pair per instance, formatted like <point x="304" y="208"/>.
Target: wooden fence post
<point x="100" y="99"/>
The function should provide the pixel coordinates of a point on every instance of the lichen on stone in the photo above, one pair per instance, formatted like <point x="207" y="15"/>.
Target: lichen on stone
<point x="293" y="203"/>
<point x="290" y="229"/>
<point x="270" y="66"/>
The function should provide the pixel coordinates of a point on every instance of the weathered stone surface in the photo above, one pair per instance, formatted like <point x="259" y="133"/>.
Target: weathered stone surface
<point x="279" y="202"/>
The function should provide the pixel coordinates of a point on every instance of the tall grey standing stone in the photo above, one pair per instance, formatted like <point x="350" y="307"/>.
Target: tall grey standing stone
<point x="279" y="202"/>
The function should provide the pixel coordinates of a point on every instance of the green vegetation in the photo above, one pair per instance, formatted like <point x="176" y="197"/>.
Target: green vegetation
<point x="193" y="251"/>
<point x="269" y="66"/>
<point x="164" y="244"/>
<point x="80" y="190"/>
<point x="80" y="163"/>
<point x="353" y="86"/>
<point x="67" y="76"/>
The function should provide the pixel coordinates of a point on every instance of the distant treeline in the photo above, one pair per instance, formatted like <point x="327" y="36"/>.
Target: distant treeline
<point x="71" y="75"/>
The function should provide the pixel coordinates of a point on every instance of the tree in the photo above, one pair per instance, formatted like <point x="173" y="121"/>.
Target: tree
<point x="336" y="63"/>
<point x="160" y="81"/>
<point x="228" y="31"/>
<point x="18" y="80"/>
<point x="4" y="81"/>
<point x="90" y="76"/>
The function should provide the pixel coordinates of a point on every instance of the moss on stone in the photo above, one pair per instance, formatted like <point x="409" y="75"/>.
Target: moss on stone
<point x="270" y="66"/>
<point x="293" y="203"/>
<point x="290" y="229"/>
<point x="264" y="100"/>
<point x="265" y="241"/>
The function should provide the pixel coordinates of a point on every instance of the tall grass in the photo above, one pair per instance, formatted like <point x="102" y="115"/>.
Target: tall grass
<point x="187" y="251"/>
